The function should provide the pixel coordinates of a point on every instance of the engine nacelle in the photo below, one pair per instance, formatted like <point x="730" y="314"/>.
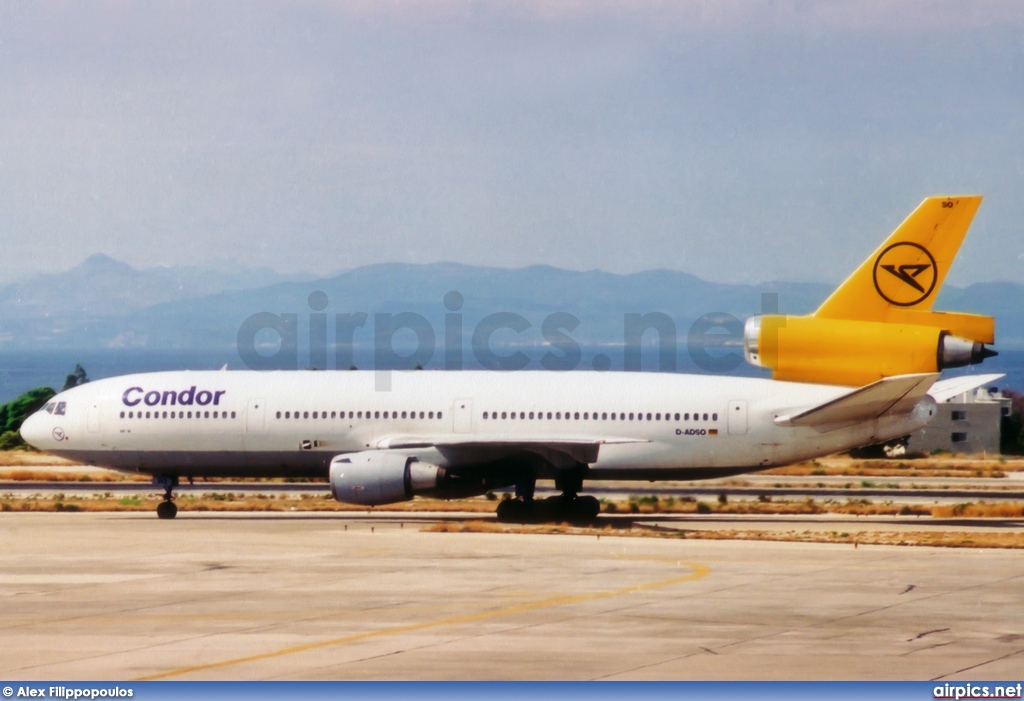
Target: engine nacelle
<point x="377" y="477"/>
<point x="851" y="352"/>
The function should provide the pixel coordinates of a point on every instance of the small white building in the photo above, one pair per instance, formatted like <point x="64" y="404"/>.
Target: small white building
<point x="967" y="423"/>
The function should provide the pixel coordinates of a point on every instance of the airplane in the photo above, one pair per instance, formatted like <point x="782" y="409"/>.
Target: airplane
<point x="862" y="369"/>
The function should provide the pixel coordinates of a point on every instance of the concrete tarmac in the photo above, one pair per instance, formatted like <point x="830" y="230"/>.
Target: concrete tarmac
<point x="322" y="596"/>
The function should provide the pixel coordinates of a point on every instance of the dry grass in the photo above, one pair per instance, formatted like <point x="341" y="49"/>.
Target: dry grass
<point x="28" y="475"/>
<point x="970" y="510"/>
<point x="243" y="502"/>
<point x="766" y="506"/>
<point x="943" y="539"/>
<point x="20" y="458"/>
<point x="933" y="466"/>
<point x="226" y="501"/>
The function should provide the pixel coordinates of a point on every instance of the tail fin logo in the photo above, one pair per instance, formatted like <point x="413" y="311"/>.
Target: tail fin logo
<point x="905" y="274"/>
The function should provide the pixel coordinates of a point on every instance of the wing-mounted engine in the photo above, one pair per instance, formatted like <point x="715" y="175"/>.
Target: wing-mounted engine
<point x="375" y="477"/>
<point x="382" y="477"/>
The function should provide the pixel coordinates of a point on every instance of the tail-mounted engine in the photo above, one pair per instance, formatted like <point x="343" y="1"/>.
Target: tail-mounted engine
<point x="852" y="352"/>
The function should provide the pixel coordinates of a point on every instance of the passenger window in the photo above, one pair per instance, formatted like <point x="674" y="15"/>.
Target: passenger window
<point x="714" y="417"/>
<point x="439" y="415"/>
<point x="686" y="416"/>
<point x="604" y="416"/>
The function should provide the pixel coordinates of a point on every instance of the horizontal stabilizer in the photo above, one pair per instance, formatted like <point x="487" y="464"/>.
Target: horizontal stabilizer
<point x="892" y="395"/>
<point x="944" y="390"/>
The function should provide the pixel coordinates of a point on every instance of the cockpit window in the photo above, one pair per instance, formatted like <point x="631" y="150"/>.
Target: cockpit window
<point x="48" y="408"/>
<point x="61" y="406"/>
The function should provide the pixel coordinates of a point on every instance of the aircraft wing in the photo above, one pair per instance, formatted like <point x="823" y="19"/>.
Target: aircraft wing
<point x="580" y="449"/>
<point x="891" y="395"/>
<point x="944" y="390"/>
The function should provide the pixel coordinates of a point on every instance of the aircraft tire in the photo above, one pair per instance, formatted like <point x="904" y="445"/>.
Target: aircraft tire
<point x="513" y="511"/>
<point x="586" y="508"/>
<point x="166" y="509"/>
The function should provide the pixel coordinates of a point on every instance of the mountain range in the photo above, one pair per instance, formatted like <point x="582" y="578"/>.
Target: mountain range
<point x="105" y="304"/>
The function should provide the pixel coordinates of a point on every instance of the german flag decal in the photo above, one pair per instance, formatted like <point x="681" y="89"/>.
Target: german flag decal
<point x="712" y="431"/>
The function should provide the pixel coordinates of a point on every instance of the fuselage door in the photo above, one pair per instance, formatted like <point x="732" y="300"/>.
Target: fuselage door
<point x="462" y="416"/>
<point x="737" y="417"/>
<point x="254" y="416"/>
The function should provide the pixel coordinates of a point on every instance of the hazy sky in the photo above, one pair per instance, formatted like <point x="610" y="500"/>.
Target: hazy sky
<point x="740" y="141"/>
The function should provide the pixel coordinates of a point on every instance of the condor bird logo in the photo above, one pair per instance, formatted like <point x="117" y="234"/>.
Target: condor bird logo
<point x="905" y="274"/>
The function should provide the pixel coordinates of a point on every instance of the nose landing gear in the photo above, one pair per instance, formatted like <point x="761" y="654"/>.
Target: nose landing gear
<point x="166" y="508"/>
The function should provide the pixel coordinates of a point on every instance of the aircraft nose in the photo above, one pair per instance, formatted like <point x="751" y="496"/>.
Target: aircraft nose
<point x="34" y="430"/>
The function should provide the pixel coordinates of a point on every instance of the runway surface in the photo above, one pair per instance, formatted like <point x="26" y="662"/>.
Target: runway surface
<point x="320" y="596"/>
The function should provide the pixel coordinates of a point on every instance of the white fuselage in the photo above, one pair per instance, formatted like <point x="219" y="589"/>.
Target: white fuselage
<point x="292" y="423"/>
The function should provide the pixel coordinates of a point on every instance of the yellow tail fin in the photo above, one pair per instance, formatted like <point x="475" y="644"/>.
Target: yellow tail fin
<point x="907" y="271"/>
<point x="880" y="323"/>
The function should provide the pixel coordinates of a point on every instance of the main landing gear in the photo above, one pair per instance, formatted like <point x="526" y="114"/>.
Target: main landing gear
<point x="167" y="508"/>
<point x="568" y="506"/>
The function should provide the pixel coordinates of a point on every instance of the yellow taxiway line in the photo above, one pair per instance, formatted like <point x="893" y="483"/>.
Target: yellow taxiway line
<point x="697" y="571"/>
